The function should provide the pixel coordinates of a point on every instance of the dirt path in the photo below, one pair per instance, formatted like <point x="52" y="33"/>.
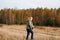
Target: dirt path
<point x="18" y="32"/>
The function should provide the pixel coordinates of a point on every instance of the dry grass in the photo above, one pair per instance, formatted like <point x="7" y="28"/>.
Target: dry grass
<point x="18" y="32"/>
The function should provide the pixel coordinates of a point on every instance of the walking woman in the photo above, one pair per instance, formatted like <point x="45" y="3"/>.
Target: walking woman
<point x="29" y="28"/>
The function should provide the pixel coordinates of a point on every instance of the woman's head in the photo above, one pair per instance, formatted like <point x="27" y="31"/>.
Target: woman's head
<point x="30" y="18"/>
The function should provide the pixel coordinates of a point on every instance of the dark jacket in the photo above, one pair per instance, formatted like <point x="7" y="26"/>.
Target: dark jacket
<point x="29" y="24"/>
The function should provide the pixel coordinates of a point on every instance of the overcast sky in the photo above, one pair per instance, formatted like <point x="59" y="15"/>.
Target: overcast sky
<point x="29" y="3"/>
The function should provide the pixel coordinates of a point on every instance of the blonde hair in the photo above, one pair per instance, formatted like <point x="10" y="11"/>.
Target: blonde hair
<point x="30" y="17"/>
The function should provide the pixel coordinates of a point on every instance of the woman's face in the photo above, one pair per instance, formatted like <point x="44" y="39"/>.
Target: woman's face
<point x="31" y="18"/>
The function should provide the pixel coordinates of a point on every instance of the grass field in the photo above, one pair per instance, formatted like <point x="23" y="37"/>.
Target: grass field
<point x="18" y="32"/>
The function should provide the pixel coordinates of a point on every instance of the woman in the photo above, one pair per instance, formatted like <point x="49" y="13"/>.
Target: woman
<point x="29" y="28"/>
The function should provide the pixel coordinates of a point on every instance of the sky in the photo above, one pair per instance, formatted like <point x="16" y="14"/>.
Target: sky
<point x="21" y="4"/>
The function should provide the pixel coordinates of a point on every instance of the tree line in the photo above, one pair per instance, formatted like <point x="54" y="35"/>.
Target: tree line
<point x="41" y="16"/>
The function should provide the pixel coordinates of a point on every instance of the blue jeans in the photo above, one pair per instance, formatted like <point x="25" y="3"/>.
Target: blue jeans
<point x="28" y="33"/>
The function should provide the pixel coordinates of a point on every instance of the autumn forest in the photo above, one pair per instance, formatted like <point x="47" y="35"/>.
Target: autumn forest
<point x="41" y="16"/>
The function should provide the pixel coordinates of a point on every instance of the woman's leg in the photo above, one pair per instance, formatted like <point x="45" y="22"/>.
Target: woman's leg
<point x="32" y="33"/>
<point x="27" y="34"/>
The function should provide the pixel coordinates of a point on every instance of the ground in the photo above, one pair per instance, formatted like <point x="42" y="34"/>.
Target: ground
<point x="18" y="32"/>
